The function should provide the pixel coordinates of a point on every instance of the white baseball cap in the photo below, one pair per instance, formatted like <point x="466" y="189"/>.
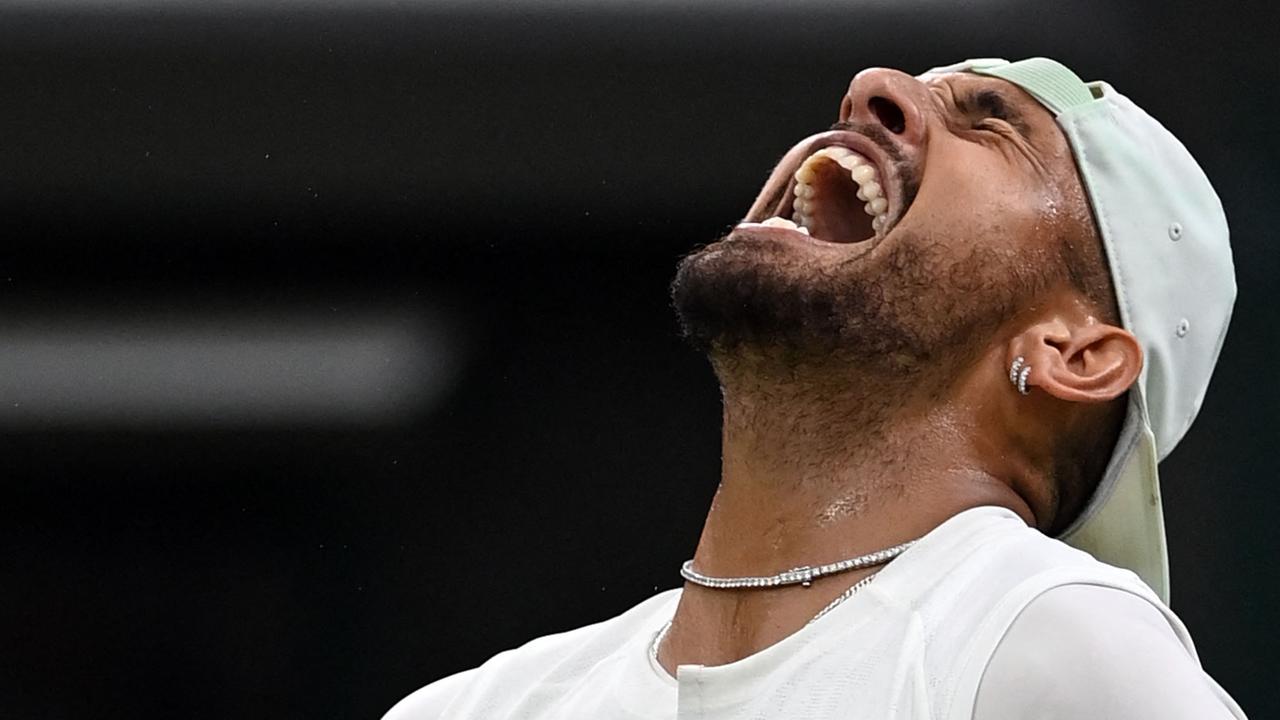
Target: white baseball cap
<point x="1166" y="240"/>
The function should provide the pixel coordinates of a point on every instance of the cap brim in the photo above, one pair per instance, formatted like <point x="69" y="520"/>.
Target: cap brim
<point x="1123" y="524"/>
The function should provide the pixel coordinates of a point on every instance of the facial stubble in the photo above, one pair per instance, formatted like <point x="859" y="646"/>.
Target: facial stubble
<point x="905" y="308"/>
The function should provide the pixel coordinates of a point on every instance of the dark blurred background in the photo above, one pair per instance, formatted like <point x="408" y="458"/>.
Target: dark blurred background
<point x="335" y="348"/>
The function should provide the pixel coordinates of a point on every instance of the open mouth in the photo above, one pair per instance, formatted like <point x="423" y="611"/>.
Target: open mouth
<point x="835" y="194"/>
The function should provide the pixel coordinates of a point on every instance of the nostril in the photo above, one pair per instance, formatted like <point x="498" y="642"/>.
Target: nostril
<point x="888" y="113"/>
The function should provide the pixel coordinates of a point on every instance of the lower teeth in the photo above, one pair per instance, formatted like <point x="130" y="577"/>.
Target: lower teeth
<point x="785" y="223"/>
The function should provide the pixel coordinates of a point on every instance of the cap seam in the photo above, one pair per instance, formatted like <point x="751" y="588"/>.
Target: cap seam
<point x="1120" y="460"/>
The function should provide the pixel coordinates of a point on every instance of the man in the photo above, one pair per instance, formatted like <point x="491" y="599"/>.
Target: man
<point x="964" y="322"/>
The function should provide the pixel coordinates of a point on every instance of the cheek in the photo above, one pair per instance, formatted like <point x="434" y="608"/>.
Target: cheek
<point x="974" y="196"/>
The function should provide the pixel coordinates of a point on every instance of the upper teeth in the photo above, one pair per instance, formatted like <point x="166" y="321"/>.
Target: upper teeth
<point x="861" y="171"/>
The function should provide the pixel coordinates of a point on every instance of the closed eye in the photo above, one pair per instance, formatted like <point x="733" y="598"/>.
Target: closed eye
<point x="992" y="104"/>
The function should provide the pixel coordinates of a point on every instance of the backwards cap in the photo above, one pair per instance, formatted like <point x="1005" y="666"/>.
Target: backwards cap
<point x="1166" y="242"/>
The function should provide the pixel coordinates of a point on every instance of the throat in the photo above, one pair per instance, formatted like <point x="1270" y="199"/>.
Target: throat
<point x="809" y="445"/>
<point x="754" y="531"/>
<point x="812" y="475"/>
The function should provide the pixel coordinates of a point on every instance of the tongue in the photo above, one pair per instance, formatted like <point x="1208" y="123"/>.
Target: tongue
<point x="835" y="213"/>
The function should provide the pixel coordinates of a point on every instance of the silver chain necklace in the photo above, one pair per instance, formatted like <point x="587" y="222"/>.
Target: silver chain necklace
<point x="804" y="575"/>
<point x="801" y="575"/>
<point x="853" y="590"/>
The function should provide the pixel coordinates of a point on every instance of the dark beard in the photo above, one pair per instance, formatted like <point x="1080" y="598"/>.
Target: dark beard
<point x="909" y="305"/>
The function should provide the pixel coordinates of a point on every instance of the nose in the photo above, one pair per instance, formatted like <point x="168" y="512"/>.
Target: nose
<point x="890" y="99"/>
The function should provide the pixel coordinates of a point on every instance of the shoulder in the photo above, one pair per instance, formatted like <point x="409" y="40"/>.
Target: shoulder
<point x="1084" y="650"/>
<point x="993" y="578"/>
<point x="541" y="662"/>
<point x="430" y="702"/>
<point x="994" y="551"/>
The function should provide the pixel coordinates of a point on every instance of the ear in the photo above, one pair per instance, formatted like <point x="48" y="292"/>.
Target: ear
<point x="1079" y="360"/>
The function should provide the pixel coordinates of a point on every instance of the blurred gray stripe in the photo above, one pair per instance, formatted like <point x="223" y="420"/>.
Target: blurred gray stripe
<point x="224" y="370"/>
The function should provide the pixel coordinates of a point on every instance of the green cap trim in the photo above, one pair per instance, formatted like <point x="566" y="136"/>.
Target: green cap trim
<point x="1048" y="81"/>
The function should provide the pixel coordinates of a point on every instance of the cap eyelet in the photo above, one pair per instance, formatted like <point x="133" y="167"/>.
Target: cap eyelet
<point x="1184" y="326"/>
<point x="1175" y="232"/>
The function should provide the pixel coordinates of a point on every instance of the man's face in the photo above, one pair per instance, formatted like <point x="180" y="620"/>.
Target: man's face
<point x="932" y="211"/>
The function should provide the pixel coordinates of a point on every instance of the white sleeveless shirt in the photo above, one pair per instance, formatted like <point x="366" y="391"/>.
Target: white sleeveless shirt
<point x="912" y="645"/>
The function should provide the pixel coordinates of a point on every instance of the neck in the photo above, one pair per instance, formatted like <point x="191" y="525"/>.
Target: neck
<point x="818" y="467"/>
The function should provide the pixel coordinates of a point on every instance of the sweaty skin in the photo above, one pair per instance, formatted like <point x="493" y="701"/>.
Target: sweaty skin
<point x="895" y="412"/>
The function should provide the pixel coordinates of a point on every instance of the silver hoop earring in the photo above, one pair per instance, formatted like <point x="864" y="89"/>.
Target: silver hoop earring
<point x="1014" y="368"/>
<point x="1018" y="373"/>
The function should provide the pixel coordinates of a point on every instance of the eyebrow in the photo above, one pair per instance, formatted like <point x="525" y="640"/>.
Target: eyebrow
<point x="995" y="104"/>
